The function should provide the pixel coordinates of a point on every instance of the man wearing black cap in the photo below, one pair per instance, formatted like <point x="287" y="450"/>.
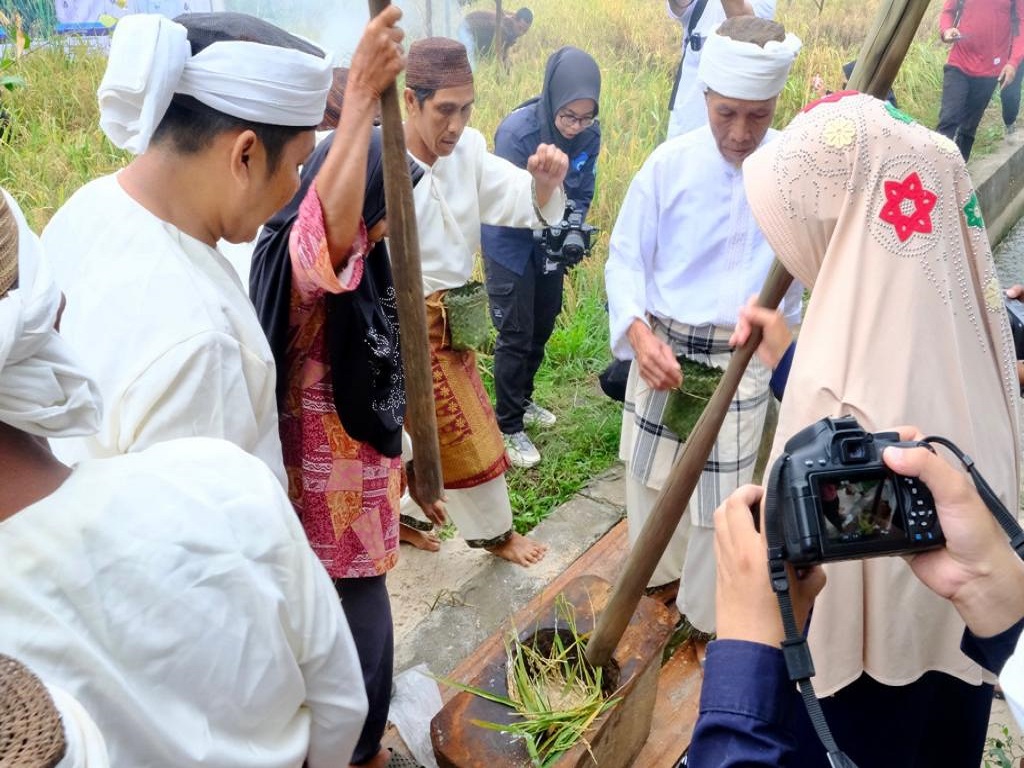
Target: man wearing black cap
<point x="464" y="185"/>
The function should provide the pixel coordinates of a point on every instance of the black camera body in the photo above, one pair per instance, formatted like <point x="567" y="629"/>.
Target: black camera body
<point x="839" y="501"/>
<point x="567" y="243"/>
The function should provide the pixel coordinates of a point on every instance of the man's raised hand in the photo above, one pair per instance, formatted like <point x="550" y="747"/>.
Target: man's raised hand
<point x="379" y="57"/>
<point x="548" y="166"/>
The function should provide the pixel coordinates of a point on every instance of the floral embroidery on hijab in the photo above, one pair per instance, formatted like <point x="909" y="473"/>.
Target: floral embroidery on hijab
<point x="910" y="191"/>
<point x="840" y="132"/>
<point x="899" y="114"/>
<point x="993" y="295"/>
<point x="945" y="144"/>
<point x="972" y="211"/>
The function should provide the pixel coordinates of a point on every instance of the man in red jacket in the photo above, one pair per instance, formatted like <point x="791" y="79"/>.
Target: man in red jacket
<point x="986" y="51"/>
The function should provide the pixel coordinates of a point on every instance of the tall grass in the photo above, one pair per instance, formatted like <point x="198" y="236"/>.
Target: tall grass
<point x="38" y="17"/>
<point x="54" y="146"/>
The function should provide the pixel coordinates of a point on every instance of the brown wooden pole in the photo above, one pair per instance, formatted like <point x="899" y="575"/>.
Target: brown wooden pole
<point x="671" y="503"/>
<point x="499" y="32"/>
<point x="886" y="46"/>
<point x="894" y="28"/>
<point x="404" y="245"/>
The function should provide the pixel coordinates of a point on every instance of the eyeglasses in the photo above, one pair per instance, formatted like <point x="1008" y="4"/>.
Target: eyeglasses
<point x="568" y="119"/>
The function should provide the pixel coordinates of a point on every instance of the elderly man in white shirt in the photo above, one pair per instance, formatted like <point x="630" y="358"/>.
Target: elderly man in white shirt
<point x="464" y="186"/>
<point x="684" y="255"/>
<point x="699" y="18"/>
<point x="156" y="311"/>
<point x="171" y="592"/>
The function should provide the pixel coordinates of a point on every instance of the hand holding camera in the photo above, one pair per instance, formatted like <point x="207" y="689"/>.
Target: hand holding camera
<point x="968" y="561"/>
<point x="566" y="244"/>
<point x="837" y="499"/>
<point x="746" y="608"/>
<point x="977" y="569"/>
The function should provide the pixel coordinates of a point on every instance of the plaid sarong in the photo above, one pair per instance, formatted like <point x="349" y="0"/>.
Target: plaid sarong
<point x="472" y="448"/>
<point x="650" y="449"/>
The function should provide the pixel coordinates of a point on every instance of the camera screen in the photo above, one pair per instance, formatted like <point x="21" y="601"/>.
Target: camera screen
<point x="859" y="510"/>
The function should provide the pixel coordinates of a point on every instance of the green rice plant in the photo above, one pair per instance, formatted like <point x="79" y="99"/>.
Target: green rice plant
<point x="555" y="694"/>
<point x="37" y="18"/>
<point x="1003" y="750"/>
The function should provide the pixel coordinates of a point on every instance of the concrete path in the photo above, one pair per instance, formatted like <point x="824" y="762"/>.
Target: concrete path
<point x="446" y="603"/>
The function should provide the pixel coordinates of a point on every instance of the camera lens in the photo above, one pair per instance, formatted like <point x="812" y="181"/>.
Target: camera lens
<point x="574" y="248"/>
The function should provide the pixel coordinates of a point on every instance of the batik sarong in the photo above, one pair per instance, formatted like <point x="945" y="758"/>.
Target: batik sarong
<point x="472" y="449"/>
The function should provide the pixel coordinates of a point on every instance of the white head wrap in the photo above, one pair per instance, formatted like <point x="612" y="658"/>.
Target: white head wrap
<point x="151" y="60"/>
<point x="86" y="747"/>
<point x="42" y="390"/>
<point x="746" y="71"/>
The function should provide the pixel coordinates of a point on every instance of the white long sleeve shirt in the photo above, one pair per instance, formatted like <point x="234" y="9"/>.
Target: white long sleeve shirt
<point x="690" y="111"/>
<point x="164" y="325"/>
<point x="173" y="593"/>
<point x="460" y="192"/>
<point x="685" y="246"/>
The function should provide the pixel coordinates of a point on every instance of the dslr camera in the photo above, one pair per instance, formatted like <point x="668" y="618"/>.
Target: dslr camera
<point x="838" y="500"/>
<point x="565" y="244"/>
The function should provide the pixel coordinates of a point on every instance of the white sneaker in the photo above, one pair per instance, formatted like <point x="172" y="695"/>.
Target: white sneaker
<point x="534" y="414"/>
<point x="521" y="450"/>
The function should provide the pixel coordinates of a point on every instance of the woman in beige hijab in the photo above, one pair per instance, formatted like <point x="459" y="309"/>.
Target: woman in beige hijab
<point x="877" y="217"/>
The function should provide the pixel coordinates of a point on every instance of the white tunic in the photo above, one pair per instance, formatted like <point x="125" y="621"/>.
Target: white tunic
<point x="173" y="593"/>
<point x="690" y="111"/>
<point x="162" y="322"/>
<point x="685" y="246"/>
<point x="460" y="192"/>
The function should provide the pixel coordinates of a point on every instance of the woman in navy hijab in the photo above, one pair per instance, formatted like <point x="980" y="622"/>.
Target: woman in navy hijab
<point x="524" y="280"/>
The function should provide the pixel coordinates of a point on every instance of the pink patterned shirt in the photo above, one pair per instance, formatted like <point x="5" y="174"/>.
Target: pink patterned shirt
<point x="345" y="492"/>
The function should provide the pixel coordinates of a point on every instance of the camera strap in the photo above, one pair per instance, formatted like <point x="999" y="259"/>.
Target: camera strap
<point x="1002" y="515"/>
<point x="795" y="650"/>
<point x="695" y="14"/>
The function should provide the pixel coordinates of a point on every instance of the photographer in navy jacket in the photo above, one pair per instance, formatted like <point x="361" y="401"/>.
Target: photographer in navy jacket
<point x="750" y="714"/>
<point x="525" y="290"/>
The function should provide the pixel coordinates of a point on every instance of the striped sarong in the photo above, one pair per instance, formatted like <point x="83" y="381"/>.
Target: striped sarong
<point x="472" y="448"/>
<point x="650" y="449"/>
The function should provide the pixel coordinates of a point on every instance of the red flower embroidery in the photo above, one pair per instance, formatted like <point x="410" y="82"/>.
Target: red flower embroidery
<point x="835" y="96"/>
<point x="901" y="194"/>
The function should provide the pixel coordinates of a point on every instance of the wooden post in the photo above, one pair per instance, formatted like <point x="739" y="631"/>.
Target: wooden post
<point x="884" y="50"/>
<point x="499" y="32"/>
<point x="671" y="503"/>
<point x="886" y="46"/>
<point x="403" y="243"/>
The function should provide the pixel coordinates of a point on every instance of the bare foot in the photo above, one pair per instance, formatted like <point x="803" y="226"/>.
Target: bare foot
<point x="425" y="540"/>
<point x="520" y="550"/>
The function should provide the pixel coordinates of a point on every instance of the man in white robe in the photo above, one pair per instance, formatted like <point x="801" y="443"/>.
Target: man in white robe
<point x="463" y="186"/>
<point x="684" y="256"/>
<point x="157" y="313"/>
<point x="170" y="592"/>
<point x="687" y="110"/>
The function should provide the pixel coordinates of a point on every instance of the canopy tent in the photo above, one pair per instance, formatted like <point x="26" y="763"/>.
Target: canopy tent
<point x="335" y="25"/>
